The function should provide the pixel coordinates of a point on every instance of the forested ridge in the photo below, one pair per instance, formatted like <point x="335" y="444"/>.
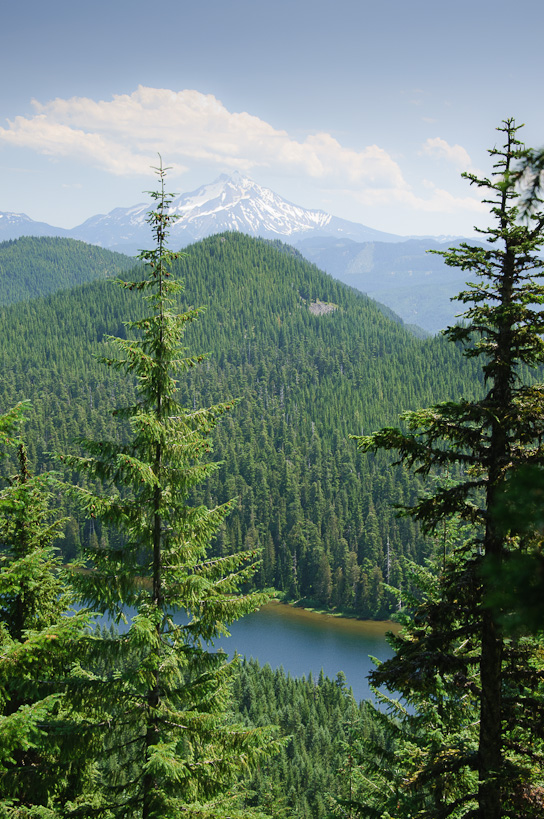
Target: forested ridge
<point x="32" y="266"/>
<point x="319" y="509"/>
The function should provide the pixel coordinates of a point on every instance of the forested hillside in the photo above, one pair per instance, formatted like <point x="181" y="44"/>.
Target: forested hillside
<point x="407" y="276"/>
<point x="311" y="362"/>
<point x="320" y="719"/>
<point x="31" y="266"/>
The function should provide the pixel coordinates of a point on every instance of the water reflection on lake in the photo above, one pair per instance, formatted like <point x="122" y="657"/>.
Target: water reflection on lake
<point x="303" y="641"/>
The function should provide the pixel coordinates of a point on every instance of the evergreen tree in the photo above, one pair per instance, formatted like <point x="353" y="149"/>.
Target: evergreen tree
<point x="484" y="442"/>
<point x="42" y="761"/>
<point x="170" y="747"/>
<point x="520" y="584"/>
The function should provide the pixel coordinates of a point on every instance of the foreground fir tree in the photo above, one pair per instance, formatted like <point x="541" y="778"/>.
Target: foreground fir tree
<point x="520" y="505"/>
<point x="170" y="748"/>
<point x="42" y="760"/>
<point x="485" y="442"/>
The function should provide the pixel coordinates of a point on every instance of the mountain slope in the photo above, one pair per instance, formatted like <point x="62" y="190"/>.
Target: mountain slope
<point x="312" y="362"/>
<point x="414" y="282"/>
<point x="36" y="266"/>
<point x="390" y="268"/>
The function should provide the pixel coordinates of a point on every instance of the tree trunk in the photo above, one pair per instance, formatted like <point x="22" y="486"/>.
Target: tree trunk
<point x="490" y="745"/>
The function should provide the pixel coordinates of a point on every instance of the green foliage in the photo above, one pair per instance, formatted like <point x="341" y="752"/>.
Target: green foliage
<point x="424" y="761"/>
<point x="317" y="718"/>
<point x="516" y="581"/>
<point x="42" y="764"/>
<point x="486" y="441"/>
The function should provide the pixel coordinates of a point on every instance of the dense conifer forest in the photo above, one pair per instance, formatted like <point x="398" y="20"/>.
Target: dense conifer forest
<point x="320" y="720"/>
<point x="309" y="361"/>
<point x="32" y="266"/>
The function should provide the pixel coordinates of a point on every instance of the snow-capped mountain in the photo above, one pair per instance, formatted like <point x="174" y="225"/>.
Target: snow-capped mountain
<point x="237" y="203"/>
<point x="122" y="229"/>
<point x="14" y="225"/>
<point x="230" y="203"/>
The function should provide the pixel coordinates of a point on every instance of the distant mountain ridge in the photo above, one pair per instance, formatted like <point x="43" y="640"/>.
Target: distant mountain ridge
<point x="395" y="270"/>
<point x="232" y="202"/>
<point x="15" y="225"/>
<point x="410" y="277"/>
<point x="33" y="266"/>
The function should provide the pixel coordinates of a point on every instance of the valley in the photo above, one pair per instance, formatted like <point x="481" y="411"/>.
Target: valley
<point x="257" y="466"/>
<point x="271" y="410"/>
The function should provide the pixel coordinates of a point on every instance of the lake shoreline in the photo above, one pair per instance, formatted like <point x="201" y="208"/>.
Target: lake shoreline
<point x="305" y="642"/>
<point x="311" y="604"/>
<point x="296" y="611"/>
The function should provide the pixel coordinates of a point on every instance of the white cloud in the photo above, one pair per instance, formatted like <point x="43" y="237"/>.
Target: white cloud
<point x="123" y="136"/>
<point x="441" y="149"/>
<point x="438" y="201"/>
<point x="442" y="201"/>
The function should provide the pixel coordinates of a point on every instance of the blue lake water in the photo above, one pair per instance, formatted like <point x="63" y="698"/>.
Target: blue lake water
<point x="303" y="641"/>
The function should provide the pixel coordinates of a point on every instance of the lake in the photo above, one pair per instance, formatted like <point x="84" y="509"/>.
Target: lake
<point x="302" y="641"/>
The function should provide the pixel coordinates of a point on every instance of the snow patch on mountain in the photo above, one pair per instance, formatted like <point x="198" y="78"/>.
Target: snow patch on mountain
<point x="15" y="225"/>
<point x="237" y="203"/>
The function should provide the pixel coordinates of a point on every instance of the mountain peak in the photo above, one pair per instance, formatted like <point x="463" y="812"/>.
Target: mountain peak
<point x="235" y="202"/>
<point x="237" y="178"/>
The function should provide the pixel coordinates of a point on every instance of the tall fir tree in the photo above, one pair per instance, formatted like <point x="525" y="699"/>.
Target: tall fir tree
<point x="171" y="746"/>
<point x="484" y="442"/>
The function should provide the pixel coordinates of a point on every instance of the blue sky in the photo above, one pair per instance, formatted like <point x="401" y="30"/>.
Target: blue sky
<point x="367" y="110"/>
